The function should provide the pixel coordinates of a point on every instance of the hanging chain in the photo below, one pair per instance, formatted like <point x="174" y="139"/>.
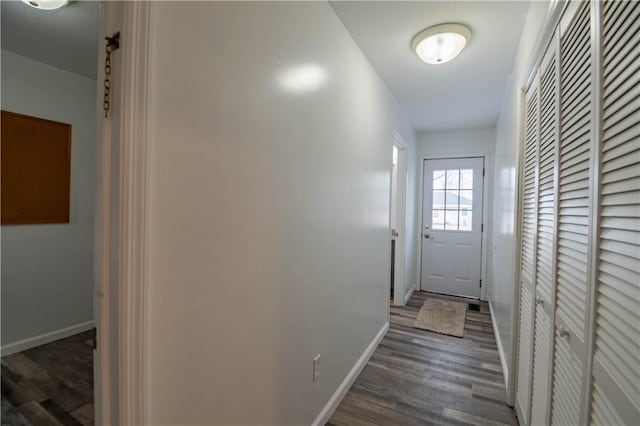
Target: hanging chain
<point x="113" y="43"/>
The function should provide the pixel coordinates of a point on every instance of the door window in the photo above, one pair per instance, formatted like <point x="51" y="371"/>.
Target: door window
<point x="452" y="202"/>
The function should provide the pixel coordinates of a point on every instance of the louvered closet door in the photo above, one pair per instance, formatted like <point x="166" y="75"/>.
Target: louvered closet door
<point x="616" y="362"/>
<point x="573" y="262"/>
<point x="545" y="247"/>
<point x="527" y="261"/>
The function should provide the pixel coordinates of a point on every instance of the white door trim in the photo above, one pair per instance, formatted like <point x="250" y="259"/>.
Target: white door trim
<point x="132" y="238"/>
<point x="133" y="214"/>
<point x="104" y="362"/>
<point x="399" y="289"/>
<point x="487" y="199"/>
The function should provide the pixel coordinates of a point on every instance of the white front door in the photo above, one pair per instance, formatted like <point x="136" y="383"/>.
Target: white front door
<point x="452" y="226"/>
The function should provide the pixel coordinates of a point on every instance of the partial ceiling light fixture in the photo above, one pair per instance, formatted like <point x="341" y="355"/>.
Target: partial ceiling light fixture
<point x="46" y="4"/>
<point x="441" y="43"/>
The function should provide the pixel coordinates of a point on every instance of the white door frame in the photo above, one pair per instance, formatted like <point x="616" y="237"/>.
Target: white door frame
<point x="486" y="200"/>
<point x="121" y="235"/>
<point x="399" y="294"/>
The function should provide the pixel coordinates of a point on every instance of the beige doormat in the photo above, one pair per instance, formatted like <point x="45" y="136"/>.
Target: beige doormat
<point x="442" y="316"/>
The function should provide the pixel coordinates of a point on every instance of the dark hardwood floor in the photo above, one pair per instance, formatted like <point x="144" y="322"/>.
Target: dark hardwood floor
<point x="417" y="377"/>
<point x="51" y="384"/>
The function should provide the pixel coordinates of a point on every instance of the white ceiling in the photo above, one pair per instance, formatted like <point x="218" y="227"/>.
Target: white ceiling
<point x="65" y="38"/>
<point x="462" y="94"/>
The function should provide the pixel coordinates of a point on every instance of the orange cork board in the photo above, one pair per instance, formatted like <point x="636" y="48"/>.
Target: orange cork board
<point x="35" y="170"/>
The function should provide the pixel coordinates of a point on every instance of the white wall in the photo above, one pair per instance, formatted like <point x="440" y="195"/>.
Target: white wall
<point x="503" y="254"/>
<point x="47" y="270"/>
<point x="270" y="159"/>
<point x="457" y="143"/>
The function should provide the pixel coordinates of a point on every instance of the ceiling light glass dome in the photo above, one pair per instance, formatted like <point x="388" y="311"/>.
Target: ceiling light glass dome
<point x="440" y="44"/>
<point x="46" y="4"/>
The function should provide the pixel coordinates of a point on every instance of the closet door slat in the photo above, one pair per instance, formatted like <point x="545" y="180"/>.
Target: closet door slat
<point x="541" y="360"/>
<point x="602" y="411"/>
<point x="616" y="363"/>
<point x="528" y="254"/>
<point x="576" y="138"/>
<point x="566" y="385"/>
<point x="546" y="235"/>
<point x="525" y="330"/>
<point x="546" y="184"/>
<point x="568" y="304"/>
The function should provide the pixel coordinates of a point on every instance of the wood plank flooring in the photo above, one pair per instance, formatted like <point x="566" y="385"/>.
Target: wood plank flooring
<point x="417" y="377"/>
<point x="51" y="384"/>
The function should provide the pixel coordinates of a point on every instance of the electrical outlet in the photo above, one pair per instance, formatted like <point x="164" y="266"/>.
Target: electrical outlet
<point x="316" y="367"/>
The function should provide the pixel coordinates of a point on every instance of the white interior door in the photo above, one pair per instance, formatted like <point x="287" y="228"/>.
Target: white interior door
<point x="528" y="236"/>
<point x="575" y="205"/>
<point x="452" y="226"/>
<point x="616" y="322"/>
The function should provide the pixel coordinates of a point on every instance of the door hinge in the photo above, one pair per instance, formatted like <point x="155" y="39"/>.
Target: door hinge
<point x="480" y="283"/>
<point x="483" y="172"/>
<point x="94" y="338"/>
<point x="482" y="227"/>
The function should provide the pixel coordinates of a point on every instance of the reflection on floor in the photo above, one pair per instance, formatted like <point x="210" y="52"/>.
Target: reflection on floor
<point x="417" y="377"/>
<point x="49" y="385"/>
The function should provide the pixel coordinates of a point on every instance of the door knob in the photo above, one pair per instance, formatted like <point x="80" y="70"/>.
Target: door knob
<point x="539" y="301"/>
<point x="563" y="332"/>
<point x="427" y="236"/>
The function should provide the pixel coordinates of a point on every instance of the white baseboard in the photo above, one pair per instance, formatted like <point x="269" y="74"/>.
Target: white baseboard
<point x="409" y="294"/>
<point x="503" y="360"/>
<point x="342" y="390"/>
<point x="42" y="339"/>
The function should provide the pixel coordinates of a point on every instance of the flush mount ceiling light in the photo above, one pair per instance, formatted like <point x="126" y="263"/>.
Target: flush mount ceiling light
<point x="46" y="4"/>
<point x="441" y="43"/>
